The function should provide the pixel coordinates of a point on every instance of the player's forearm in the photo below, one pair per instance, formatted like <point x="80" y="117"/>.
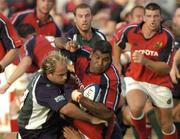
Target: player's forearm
<point x="116" y="55"/>
<point x="9" y="57"/>
<point x="97" y="109"/>
<point x="20" y="70"/>
<point x="72" y="111"/>
<point x="157" y="66"/>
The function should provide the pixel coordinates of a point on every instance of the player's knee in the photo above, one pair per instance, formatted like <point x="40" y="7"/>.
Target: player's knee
<point x="167" y="126"/>
<point x="136" y="111"/>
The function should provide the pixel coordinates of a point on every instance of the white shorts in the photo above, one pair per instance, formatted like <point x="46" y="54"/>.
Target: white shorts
<point x="159" y="95"/>
<point x="22" y="82"/>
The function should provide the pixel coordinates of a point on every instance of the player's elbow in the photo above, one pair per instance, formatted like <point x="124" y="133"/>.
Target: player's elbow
<point x="67" y="109"/>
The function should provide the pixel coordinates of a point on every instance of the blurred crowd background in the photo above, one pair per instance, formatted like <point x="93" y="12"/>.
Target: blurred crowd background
<point x="107" y="13"/>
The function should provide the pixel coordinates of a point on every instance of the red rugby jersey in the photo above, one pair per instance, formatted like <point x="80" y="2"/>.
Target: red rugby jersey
<point x="37" y="47"/>
<point x="9" y="38"/>
<point x="157" y="48"/>
<point x="49" y="28"/>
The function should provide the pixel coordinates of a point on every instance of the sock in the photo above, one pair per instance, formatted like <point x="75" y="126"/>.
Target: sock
<point x="154" y="123"/>
<point x="148" y="130"/>
<point x="172" y="135"/>
<point x="140" y="126"/>
<point x="135" y="133"/>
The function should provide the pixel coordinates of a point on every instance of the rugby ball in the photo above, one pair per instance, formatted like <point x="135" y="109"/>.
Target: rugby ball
<point x="93" y="92"/>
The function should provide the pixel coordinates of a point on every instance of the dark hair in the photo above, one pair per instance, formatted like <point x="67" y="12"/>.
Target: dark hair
<point x="24" y="30"/>
<point x="153" y="6"/>
<point x="82" y="6"/>
<point x="102" y="46"/>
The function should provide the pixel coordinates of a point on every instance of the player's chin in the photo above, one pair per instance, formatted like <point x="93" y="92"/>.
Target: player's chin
<point x="99" y="70"/>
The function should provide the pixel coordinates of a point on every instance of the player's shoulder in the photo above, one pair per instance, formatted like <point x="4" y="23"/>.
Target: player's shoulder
<point x="167" y="31"/>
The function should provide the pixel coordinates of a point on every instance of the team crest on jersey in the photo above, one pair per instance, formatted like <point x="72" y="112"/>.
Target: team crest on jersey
<point x="158" y="45"/>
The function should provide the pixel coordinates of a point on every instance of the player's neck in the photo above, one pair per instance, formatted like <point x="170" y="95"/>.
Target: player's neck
<point x="41" y="16"/>
<point x="86" y="34"/>
<point x="148" y="33"/>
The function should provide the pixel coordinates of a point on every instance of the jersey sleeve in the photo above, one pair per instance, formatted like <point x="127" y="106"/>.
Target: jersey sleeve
<point x="166" y="54"/>
<point x="111" y="89"/>
<point x="9" y="36"/>
<point x="51" y="97"/>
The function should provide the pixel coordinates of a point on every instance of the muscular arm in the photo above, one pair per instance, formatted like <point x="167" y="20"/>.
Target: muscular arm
<point x="21" y="69"/>
<point x="72" y="111"/>
<point x="97" y="109"/>
<point x="116" y="58"/>
<point x="9" y="57"/>
<point x="157" y="66"/>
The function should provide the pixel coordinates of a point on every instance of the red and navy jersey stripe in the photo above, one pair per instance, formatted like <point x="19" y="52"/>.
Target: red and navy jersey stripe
<point x="49" y="28"/>
<point x="109" y="81"/>
<point x="157" y="48"/>
<point x="8" y="36"/>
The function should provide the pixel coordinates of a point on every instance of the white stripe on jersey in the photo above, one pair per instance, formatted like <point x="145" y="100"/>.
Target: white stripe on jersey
<point x="100" y="35"/>
<point x="124" y="29"/>
<point x="118" y="91"/>
<point x="107" y="88"/>
<point x="7" y="33"/>
<point x="21" y="13"/>
<point x="38" y="117"/>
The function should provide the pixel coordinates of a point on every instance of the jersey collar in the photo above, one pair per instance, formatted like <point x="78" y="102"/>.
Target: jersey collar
<point x="139" y="28"/>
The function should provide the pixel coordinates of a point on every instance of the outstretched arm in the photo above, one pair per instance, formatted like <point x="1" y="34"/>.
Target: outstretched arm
<point x="74" y="112"/>
<point x="19" y="71"/>
<point x="159" y="67"/>
<point x="8" y="58"/>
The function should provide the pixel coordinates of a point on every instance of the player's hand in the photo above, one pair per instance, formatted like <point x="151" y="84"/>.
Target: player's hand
<point x="4" y="88"/>
<point x="139" y="58"/>
<point x="76" y="95"/>
<point x="97" y="121"/>
<point x="71" y="133"/>
<point x="71" y="46"/>
<point x="174" y="73"/>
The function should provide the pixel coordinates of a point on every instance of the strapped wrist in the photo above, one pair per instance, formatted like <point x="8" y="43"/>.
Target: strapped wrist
<point x="8" y="83"/>
<point x="79" y="97"/>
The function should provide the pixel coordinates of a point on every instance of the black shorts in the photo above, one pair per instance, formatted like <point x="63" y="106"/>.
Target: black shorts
<point x="52" y="132"/>
<point x="37" y="134"/>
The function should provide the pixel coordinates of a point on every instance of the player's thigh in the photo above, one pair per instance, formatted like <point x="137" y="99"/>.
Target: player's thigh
<point x="161" y="96"/>
<point x="135" y="94"/>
